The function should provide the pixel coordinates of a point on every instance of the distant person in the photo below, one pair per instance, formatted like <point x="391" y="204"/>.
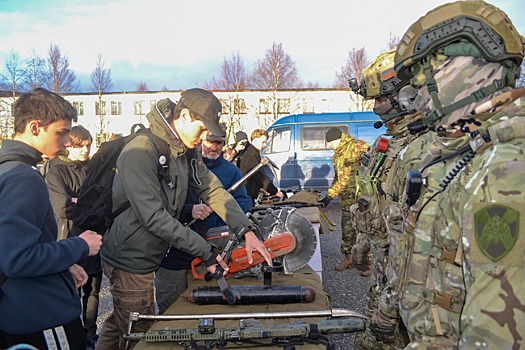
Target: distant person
<point x="247" y="158"/>
<point x="138" y="240"/>
<point x="345" y="160"/>
<point x="39" y="303"/>
<point x="171" y="277"/>
<point x="64" y="177"/>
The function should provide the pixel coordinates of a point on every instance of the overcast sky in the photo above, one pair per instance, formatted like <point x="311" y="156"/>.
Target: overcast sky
<point x="182" y="44"/>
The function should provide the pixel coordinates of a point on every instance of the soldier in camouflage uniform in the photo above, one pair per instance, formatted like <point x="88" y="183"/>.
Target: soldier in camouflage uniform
<point x="461" y="283"/>
<point x="345" y="160"/>
<point x="377" y="186"/>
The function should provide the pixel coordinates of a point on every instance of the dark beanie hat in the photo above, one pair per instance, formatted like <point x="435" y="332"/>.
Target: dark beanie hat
<point x="240" y="135"/>
<point x="333" y="134"/>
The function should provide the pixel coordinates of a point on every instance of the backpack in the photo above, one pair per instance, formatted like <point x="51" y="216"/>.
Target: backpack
<point x="93" y="209"/>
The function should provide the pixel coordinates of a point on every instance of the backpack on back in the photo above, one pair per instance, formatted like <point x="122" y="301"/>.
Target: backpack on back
<point x="94" y="207"/>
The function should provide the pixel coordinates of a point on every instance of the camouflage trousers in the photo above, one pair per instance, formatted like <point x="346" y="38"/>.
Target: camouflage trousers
<point x="367" y="339"/>
<point x="348" y="231"/>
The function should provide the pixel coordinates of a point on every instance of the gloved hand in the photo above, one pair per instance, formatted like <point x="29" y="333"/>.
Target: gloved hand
<point x="325" y="201"/>
<point x="382" y="327"/>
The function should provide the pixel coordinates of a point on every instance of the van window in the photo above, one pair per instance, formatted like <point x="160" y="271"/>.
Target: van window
<point x="278" y="140"/>
<point x="314" y="137"/>
<point x="366" y="132"/>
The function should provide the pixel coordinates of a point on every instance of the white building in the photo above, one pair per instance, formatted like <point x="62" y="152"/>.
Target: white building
<point x="243" y="110"/>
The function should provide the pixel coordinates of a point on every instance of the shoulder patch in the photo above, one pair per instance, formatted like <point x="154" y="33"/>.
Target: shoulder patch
<point x="496" y="230"/>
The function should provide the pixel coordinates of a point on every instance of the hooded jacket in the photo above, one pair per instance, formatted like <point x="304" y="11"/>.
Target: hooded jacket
<point x="39" y="292"/>
<point x="248" y="159"/>
<point x="139" y="237"/>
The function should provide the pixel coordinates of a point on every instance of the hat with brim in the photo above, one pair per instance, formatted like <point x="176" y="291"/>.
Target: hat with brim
<point x="206" y="107"/>
<point x="214" y="138"/>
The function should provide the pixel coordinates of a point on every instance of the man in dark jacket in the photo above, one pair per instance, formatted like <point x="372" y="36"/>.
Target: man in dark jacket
<point x="64" y="176"/>
<point x="139" y="238"/>
<point x="248" y="157"/>
<point x="39" y="304"/>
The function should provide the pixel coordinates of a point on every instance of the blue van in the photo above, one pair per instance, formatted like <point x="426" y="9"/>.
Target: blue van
<point x="297" y="144"/>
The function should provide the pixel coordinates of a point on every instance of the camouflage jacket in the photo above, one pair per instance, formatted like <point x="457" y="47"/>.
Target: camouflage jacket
<point x="346" y="161"/>
<point x="376" y="179"/>
<point x="485" y="209"/>
<point x="461" y="284"/>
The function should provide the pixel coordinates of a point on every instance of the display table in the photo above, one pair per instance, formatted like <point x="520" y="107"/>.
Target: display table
<point x="305" y="276"/>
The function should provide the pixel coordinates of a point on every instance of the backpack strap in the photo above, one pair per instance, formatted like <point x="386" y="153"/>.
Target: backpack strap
<point x="163" y="159"/>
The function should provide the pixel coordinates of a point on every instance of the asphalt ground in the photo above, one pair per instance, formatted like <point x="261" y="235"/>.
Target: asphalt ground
<point x="346" y="288"/>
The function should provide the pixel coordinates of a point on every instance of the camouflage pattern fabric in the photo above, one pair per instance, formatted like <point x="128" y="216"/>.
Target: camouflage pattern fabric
<point x="346" y="161"/>
<point x="460" y="284"/>
<point x="376" y="186"/>
<point x="348" y="233"/>
<point x="472" y="72"/>
<point x="431" y="288"/>
<point x="484" y="208"/>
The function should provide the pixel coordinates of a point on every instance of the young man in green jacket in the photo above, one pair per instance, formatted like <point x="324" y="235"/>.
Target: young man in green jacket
<point x="137" y="241"/>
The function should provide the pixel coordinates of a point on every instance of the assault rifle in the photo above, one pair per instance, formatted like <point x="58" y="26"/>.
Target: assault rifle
<point x="252" y="333"/>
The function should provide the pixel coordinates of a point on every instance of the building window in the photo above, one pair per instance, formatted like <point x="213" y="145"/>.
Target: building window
<point x="79" y="106"/>
<point x="116" y="108"/>
<point x="308" y="105"/>
<point x="100" y="107"/>
<point x="264" y="106"/>
<point x="138" y="107"/>
<point x="283" y="105"/>
<point x="239" y="106"/>
<point x="225" y="106"/>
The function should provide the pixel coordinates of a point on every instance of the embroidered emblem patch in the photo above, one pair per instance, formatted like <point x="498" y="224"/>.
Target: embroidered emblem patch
<point x="496" y="230"/>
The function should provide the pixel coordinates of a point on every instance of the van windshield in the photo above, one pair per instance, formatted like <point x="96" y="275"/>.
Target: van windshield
<point x="278" y="141"/>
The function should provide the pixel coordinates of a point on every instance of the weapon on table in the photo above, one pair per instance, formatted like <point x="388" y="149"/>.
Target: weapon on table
<point x="252" y="332"/>
<point x="250" y="295"/>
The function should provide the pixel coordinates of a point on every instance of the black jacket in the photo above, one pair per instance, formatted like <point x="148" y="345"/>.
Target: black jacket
<point x="64" y="178"/>
<point x="248" y="159"/>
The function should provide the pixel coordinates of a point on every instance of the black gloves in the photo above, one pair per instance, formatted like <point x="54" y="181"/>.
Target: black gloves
<point x="325" y="201"/>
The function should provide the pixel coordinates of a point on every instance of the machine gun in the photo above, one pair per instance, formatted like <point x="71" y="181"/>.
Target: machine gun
<point x="252" y="333"/>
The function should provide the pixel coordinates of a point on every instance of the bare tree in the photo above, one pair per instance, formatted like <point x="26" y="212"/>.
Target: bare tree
<point x="12" y="78"/>
<point x="233" y="78"/>
<point x="34" y="71"/>
<point x="392" y="43"/>
<point x="101" y="83"/>
<point x="142" y="87"/>
<point x="58" y="76"/>
<point x="233" y="75"/>
<point x="355" y="63"/>
<point x="276" y="71"/>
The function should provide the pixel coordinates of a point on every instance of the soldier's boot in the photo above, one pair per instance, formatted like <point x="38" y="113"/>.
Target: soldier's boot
<point x="346" y="263"/>
<point x="368" y="271"/>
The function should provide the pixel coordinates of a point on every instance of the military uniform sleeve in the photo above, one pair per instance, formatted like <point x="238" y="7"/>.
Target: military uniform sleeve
<point x="493" y="237"/>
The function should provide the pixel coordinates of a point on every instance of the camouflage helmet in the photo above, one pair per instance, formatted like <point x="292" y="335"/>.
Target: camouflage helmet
<point x="483" y="25"/>
<point x="379" y="77"/>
